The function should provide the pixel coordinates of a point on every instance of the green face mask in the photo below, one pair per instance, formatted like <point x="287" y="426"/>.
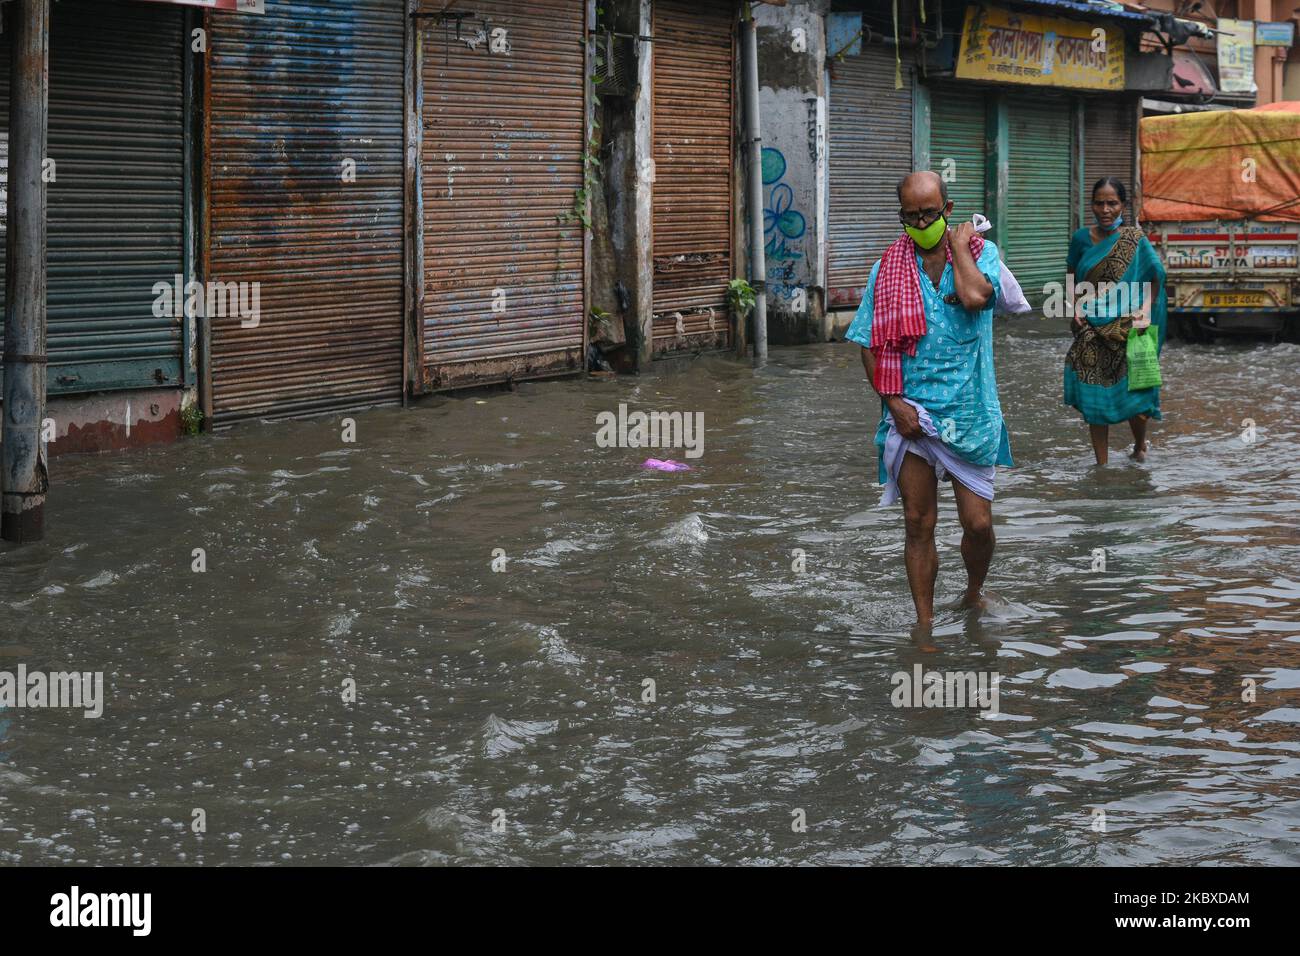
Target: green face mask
<point x="930" y="236"/>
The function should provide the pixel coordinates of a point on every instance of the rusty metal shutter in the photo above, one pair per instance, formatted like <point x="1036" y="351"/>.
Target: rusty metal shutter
<point x="294" y="95"/>
<point x="692" y="147"/>
<point x="1110" y="127"/>
<point x="505" y="248"/>
<point x="116" y="133"/>
<point x="870" y="150"/>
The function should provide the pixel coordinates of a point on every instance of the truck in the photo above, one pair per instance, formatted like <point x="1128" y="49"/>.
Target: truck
<point x="1221" y="205"/>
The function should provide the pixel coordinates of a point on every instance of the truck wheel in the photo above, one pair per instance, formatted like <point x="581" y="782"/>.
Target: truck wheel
<point x="1189" y="330"/>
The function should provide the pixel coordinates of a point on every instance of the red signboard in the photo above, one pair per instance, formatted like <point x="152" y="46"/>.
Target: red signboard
<point x="242" y="6"/>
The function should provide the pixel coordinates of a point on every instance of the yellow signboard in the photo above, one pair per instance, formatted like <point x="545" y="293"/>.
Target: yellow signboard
<point x="1008" y="47"/>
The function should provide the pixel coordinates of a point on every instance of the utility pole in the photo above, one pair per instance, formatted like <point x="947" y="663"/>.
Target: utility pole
<point x="754" y="144"/>
<point x="23" y="478"/>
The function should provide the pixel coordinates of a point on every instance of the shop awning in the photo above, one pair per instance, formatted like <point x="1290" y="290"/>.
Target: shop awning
<point x="1080" y="9"/>
<point x="1191" y="76"/>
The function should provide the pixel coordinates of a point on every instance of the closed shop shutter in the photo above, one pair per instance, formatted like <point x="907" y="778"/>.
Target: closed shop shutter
<point x="502" y="166"/>
<point x="1110" y="128"/>
<point x="115" y="214"/>
<point x="870" y="150"/>
<point x="957" y="151"/>
<point x="694" y="64"/>
<point x="1037" y="234"/>
<point x="297" y="97"/>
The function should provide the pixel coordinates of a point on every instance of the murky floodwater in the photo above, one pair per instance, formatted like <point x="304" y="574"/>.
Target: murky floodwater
<point x="522" y="691"/>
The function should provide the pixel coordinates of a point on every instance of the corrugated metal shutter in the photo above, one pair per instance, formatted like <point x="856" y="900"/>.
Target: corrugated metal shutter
<point x="957" y="150"/>
<point x="295" y="94"/>
<point x="693" y="122"/>
<point x="1110" y="127"/>
<point x="1037" y="236"/>
<point x="502" y="165"/>
<point x="115" y="214"/>
<point x="870" y="150"/>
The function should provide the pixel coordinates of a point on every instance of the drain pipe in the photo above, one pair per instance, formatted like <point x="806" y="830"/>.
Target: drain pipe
<point x="754" y="144"/>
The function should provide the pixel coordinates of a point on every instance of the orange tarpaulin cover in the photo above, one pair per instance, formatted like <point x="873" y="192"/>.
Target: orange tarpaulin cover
<point x="1222" y="164"/>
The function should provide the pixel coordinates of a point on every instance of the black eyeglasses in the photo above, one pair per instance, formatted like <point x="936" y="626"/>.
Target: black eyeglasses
<point x="919" y="220"/>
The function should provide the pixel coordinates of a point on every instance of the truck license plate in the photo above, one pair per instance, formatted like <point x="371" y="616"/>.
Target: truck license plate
<point x="1238" y="300"/>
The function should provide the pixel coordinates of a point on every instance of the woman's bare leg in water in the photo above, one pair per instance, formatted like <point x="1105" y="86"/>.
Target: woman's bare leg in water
<point x="1099" y="435"/>
<point x="1139" y="425"/>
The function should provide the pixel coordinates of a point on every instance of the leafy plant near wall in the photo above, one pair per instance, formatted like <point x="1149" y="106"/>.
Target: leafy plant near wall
<point x="581" y="210"/>
<point x="741" y="297"/>
<point x="595" y="319"/>
<point x="590" y="180"/>
<point x="191" y="420"/>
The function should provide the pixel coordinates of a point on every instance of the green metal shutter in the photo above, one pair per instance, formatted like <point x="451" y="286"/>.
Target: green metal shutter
<point x="870" y="150"/>
<point x="957" y="152"/>
<point x="1110" y="127"/>
<point x="1037" y="231"/>
<point x="116" y="135"/>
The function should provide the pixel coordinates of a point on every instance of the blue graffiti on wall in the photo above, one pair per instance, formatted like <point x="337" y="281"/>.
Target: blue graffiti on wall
<point x="781" y="222"/>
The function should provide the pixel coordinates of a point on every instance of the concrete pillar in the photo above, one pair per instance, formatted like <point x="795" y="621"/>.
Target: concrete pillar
<point x="793" y="107"/>
<point x="997" y="165"/>
<point x="642" y="220"/>
<point x="23" y="478"/>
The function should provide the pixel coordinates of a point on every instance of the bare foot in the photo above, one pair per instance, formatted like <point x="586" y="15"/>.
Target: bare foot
<point x="975" y="601"/>
<point x="1140" y="454"/>
<point x="923" y="637"/>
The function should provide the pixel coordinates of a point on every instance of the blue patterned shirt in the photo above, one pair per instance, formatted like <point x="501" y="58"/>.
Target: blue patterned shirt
<point x="952" y="371"/>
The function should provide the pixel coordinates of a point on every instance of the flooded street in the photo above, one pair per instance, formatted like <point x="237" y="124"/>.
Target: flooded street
<point x="518" y="695"/>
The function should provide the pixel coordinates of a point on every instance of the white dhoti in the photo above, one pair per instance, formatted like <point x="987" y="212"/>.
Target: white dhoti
<point x="946" y="462"/>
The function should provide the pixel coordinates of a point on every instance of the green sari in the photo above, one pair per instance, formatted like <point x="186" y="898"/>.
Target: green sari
<point x="1096" y="367"/>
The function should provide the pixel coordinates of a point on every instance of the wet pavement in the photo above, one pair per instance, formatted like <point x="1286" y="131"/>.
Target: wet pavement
<point x="503" y="716"/>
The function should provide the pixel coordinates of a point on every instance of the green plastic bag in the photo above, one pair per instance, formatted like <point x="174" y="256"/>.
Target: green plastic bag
<point x="1143" y="359"/>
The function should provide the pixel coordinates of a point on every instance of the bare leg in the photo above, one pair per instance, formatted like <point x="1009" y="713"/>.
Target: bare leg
<point x="919" y="488"/>
<point x="1100" y="435"/>
<point x="977" y="540"/>
<point x="1139" y="425"/>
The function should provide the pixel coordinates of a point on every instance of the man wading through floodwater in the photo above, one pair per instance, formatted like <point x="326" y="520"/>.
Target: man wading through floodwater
<point x="926" y="330"/>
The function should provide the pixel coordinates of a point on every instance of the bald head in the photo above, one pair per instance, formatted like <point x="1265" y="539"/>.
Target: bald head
<point x="922" y="190"/>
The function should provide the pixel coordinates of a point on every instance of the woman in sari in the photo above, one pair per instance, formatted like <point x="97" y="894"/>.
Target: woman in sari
<point x="1133" y="297"/>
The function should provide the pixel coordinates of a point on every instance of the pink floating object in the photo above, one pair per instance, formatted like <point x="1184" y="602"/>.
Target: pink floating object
<point x="659" y="464"/>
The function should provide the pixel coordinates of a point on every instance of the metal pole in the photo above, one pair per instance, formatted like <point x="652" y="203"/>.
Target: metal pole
<point x="757" y="262"/>
<point x="203" y="323"/>
<point x="23" y="479"/>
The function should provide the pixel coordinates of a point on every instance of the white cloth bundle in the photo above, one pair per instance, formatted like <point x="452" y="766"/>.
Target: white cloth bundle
<point x="1011" y="298"/>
